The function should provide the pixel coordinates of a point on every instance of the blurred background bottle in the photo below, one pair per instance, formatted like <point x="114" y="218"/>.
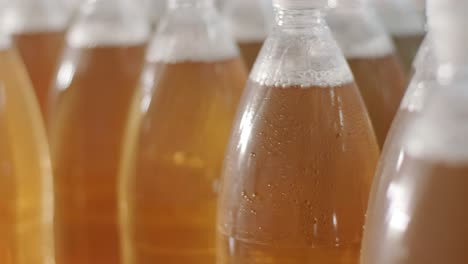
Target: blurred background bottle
<point x="250" y="22"/>
<point x="302" y="154"/>
<point x="26" y="207"/>
<point x="95" y="82"/>
<point x="405" y="21"/>
<point x="372" y="58"/>
<point x="177" y="137"/>
<point x="417" y="210"/>
<point x="38" y="29"/>
<point x="155" y="10"/>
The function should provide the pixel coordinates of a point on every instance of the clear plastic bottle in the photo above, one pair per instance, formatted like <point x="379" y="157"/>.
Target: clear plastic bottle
<point x="303" y="152"/>
<point x="96" y="79"/>
<point x="26" y="210"/>
<point x="250" y="22"/>
<point x="38" y="29"/>
<point x="177" y="137"/>
<point x="405" y="20"/>
<point x="371" y="56"/>
<point x="417" y="210"/>
<point x="156" y="9"/>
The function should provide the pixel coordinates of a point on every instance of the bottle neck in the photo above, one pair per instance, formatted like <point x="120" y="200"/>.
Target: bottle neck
<point x="349" y="3"/>
<point x="450" y="40"/>
<point x="176" y="4"/>
<point x="299" y="18"/>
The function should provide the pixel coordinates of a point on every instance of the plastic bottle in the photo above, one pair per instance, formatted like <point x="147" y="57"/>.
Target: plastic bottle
<point x="26" y="210"/>
<point x="302" y="155"/>
<point x="177" y="137"/>
<point x="416" y="214"/>
<point x="95" y="82"/>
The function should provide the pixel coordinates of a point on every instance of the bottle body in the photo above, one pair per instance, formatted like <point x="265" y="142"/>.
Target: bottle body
<point x="286" y="197"/>
<point x="172" y="188"/>
<point x="89" y="114"/>
<point x="418" y="198"/>
<point x="25" y="174"/>
<point x="295" y="195"/>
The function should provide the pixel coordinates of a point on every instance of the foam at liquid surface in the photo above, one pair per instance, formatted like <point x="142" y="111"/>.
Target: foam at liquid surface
<point x="359" y="33"/>
<point x="298" y="60"/>
<point x="85" y="34"/>
<point x="440" y="133"/>
<point x="34" y="19"/>
<point x="184" y="36"/>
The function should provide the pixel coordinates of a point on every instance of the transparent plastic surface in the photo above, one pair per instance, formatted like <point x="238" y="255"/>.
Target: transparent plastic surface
<point x="177" y="136"/>
<point x="26" y="210"/>
<point x="38" y="30"/>
<point x="405" y="21"/>
<point x="155" y="10"/>
<point x="250" y="22"/>
<point x="302" y="154"/>
<point x="417" y="210"/>
<point x="420" y="200"/>
<point x="95" y="82"/>
<point x="371" y="56"/>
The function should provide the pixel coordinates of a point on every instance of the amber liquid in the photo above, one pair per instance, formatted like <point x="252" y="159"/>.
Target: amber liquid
<point x="25" y="180"/>
<point x="423" y="219"/>
<point x="408" y="47"/>
<point x="249" y="51"/>
<point x="175" y="152"/>
<point x="297" y="177"/>
<point x="382" y="85"/>
<point x="92" y="98"/>
<point x="41" y="52"/>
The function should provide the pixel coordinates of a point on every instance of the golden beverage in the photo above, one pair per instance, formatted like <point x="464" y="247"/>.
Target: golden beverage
<point x="173" y="157"/>
<point x="297" y="177"/>
<point x="40" y="52"/>
<point x="25" y="178"/>
<point x="407" y="47"/>
<point x="382" y="84"/>
<point x="91" y="101"/>
<point x="249" y="51"/>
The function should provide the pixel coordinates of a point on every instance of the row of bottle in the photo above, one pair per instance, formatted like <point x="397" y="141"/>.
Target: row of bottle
<point x="297" y="172"/>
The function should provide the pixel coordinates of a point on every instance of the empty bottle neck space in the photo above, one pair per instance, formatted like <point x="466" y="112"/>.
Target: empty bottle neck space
<point x="175" y="4"/>
<point x="299" y="18"/>
<point x="350" y="3"/>
<point x="449" y="40"/>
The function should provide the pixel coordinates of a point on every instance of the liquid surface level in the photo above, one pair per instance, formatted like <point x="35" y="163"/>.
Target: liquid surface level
<point x="25" y="180"/>
<point x="382" y="85"/>
<point x="297" y="177"/>
<point x="41" y="53"/>
<point x="91" y="102"/>
<point x="177" y="148"/>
